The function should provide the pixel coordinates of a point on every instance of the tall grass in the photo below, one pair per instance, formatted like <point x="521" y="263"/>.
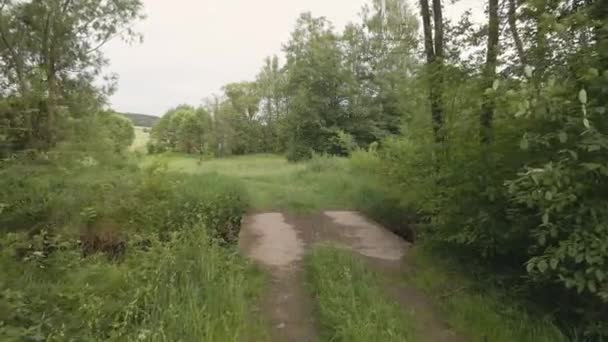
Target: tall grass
<point x="203" y="293"/>
<point x="351" y="305"/>
<point x="482" y="314"/>
<point x="96" y="251"/>
<point x="274" y="184"/>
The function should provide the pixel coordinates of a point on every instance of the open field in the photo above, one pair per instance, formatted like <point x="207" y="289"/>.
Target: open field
<point x="274" y="184"/>
<point x="142" y="136"/>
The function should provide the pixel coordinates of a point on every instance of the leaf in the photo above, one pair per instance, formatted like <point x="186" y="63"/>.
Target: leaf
<point x="563" y="137"/>
<point x="591" y="286"/>
<point x="542" y="266"/>
<point x="586" y="123"/>
<point x="549" y="196"/>
<point x="542" y="240"/>
<point x="530" y="267"/>
<point x="599" y="274"/>
<point x="495" y="84"/>
<point x="524" y="144"/>
<point x="582" y="96"/>
<point x="554" y="263"/>
<point x="546" y="218"/>
<point x="528" y="70"/>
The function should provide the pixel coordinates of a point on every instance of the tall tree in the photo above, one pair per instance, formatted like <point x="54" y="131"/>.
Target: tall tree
<point x="318" y="84"/>
<point x="433" y="47"/>
<point x="487" y="111"/>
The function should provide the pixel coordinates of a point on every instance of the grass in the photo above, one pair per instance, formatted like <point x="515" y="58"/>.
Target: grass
<point x="350" y="303"/>
<point x="480" y="314"/>
<point x="109" y="252"/>
<point x="141" y="139"/>
<point x="204" y="294"/>
<point x="274" y="184"/>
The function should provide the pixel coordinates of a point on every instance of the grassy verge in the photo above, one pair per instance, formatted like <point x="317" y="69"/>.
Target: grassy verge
<point x="203" y="293"/>
<point x="480" y="314"/>
<point x="351" y="306"/>
<point x="108" y="252"/>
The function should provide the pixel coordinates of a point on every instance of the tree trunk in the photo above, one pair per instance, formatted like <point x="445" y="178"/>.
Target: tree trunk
<point x="487" y="111"/>
<point x="428" y="31"/>
<point x="434" y="55"/>
<point x="519" y="46"/>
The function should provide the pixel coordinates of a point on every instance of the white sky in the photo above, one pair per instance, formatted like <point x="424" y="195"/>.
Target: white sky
<point x="192" y="48"/>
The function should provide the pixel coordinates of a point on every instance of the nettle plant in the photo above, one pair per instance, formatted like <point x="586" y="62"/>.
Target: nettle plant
<point x="563" y="189"/>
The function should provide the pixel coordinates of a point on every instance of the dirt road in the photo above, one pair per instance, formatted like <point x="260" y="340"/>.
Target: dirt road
<point x="278" y="241"/>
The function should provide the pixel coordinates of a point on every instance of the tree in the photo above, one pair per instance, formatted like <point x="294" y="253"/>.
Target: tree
<point x="487" y="111"/>
<point x="119" y="130"/>
<point x="273" y="103"/>
<point x="51" y="49"/>
<point x="319" y="88"/>
<point x="381" y="53"/>
<point x="433" y="46"/>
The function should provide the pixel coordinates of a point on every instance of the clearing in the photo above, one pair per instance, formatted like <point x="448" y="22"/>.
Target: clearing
<point x="297" y="207"/>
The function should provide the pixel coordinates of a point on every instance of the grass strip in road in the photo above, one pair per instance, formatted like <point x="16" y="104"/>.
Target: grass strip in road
<point x="350" y="303"/>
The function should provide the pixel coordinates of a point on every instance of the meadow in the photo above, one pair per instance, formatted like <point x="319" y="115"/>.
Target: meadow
<point x="272" y="183"/>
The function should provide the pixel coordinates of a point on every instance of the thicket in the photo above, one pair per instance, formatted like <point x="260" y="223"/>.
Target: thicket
<point x="506" y="170"/>
<point x="94" y="247"/>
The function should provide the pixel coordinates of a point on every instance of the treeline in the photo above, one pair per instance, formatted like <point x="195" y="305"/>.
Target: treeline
<point x="334" y="93"/>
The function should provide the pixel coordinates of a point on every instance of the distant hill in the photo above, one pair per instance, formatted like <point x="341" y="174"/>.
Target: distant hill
<point x="141" y="120"/>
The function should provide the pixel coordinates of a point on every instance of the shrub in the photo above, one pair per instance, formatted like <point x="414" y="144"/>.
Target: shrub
<point x="298" y="152"/>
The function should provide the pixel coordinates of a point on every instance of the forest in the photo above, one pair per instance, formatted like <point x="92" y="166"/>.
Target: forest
<point x="482" y="143"/>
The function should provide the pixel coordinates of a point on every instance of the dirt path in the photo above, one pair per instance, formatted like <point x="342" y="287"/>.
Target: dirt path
<point x="278" y="241"/>
<point x="278" y="247"/>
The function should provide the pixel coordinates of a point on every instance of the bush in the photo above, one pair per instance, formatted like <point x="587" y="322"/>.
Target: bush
<point x="119" y="130"/>
<point x="103" y="251"/>
<point x="298" y="152"/>
<point x="531" y="207"/>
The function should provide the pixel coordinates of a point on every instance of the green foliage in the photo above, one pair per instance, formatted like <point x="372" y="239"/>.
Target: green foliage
<point x="528" y="203"/>
<point x="119" y="129"/>
<point x="183" y="129"/>
<point x="351" y="304"/>
<point x="51" y="56"/>
<point x="105" y="251"/>
<point x="475" y="308"/>
<point x="49" y="291"/>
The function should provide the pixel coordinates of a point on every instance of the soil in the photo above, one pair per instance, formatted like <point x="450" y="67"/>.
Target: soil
<point x="277" y="242"/>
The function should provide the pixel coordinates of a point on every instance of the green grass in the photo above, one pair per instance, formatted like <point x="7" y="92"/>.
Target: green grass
<point x="274" y="184"/>
<point x="351" y="305"/>
<point x="157" y="273"/>
<point x="480" y="314"/>
<point x="204" y="294"/>
<point x="141" y="139"/>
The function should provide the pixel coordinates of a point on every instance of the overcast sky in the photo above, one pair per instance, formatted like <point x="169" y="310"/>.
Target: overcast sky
<point x="192" y="48"/>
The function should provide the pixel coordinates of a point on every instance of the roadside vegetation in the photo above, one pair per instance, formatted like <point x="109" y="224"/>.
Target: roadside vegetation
<point x="475" y="307"/>
<point x="486" y="140"/>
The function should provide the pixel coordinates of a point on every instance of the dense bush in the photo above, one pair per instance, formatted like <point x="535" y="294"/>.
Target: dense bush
<point x="119" y="129"/>
<point x="531" y="205"/>
<point x="101" y="250"/>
